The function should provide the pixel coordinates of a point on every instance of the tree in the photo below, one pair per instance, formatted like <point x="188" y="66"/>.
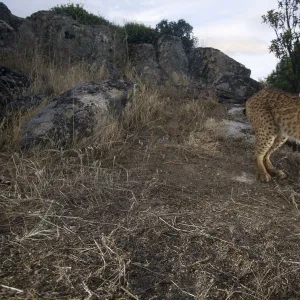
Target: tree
<point x="286" y="46"/>
<point x="181" y="29"/>
<point x="281" y="76"/>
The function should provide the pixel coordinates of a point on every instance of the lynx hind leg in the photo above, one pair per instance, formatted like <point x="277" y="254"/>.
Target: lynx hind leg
<point x="263" y="144"/>
<point x="279" y="141"/>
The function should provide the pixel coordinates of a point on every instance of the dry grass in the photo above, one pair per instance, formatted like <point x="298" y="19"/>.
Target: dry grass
<point x="150" y="211"/>
<point x="53" y="76"/>
<point x="11" y="130"/>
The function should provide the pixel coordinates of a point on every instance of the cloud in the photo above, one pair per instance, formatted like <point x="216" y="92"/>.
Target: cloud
<point x="236" y="36"/>
<point x="260" y="65"/>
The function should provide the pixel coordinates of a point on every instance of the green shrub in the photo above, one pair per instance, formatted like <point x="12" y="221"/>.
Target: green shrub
<point x="79" y="14"/>
<point x="282" y="76"/>
<point x="181" y="29"/>
<point x="136" y="33"/>
<point x="139" y="33"/>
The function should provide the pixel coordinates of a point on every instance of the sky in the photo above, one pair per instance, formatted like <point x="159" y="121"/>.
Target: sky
<point x="232" y="26"/>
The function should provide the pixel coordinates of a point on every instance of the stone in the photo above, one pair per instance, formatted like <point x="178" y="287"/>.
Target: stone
<point x="78" y="113"/>
<point x="23" y="105"/>
<point x="144" y="61"/>
<point x="206" y="65"/>
<point x="173" y="59"/>
<point x="64" y="38"/>
<point x="236" y="88"/>
<point x="12" y="83"/>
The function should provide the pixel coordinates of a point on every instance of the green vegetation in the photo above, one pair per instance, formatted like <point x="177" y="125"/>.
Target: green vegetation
<point x="139" y="33"/>
<point x="282" y="76"/>
<point x="136" y="33"/>
<point x="181" y="29"/>
<point x="78" y="13"/>
<point x="286" y="46"/>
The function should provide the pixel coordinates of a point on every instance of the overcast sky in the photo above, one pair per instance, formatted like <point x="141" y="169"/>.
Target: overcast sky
<point x="232" y="26"/>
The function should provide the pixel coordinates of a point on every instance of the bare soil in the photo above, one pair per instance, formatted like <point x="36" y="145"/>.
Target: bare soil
<point x="173" y="213"/>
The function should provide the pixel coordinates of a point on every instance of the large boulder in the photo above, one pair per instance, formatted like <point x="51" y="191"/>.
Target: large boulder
<point x="8" y="17"/>
<point x="63" y="37"/>
<point x="143" y="59"/>
<point x="7" y="34"/>
<point x="206" y="65"/>
<point x="16" y="34"/>
<point x="78" y="113"/>
<point x="236" y="88"/>
<point x="23" y="105"/>
<point x="172" y="59"/>
<point x="12" y="83"/>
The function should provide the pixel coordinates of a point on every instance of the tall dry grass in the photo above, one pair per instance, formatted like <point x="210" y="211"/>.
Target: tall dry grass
<point x="53" y="75"/>
<point x="47" y="196"/>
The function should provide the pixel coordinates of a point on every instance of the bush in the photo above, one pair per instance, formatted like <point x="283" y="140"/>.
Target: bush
<point x="139" y="33"/>
<point x="181" y="29"/>
<point x="282" y="76"/>
<point x="79" y="14"/>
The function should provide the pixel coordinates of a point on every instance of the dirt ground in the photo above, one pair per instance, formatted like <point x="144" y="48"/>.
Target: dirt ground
<point x="174" y="213"/>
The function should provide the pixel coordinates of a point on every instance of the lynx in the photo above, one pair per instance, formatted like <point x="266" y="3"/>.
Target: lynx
<point x="275" y="117"/>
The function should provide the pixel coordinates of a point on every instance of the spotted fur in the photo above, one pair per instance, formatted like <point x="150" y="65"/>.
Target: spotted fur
<point x="275" y="117"/>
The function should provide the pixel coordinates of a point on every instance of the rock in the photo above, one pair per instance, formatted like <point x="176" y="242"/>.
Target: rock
<point x="12" y="79"/>
<point x="206" y="65"/>
<point x="78" y="113"/>
<point x="11" y="84"/>
<point x="236" y="88"/>
<point x="64" y="38"/>
<point x="8" y="17"/>
<point x="172" y="59"/>
<point x="143" y="59"/>
<point x="7" y="35"/>
<point x="16" y="34"/>
<point x="23" y="105"/>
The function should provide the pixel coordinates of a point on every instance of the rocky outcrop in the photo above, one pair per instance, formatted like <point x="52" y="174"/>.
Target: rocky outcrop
<point x="206" y="65"/>
<point x="11" y="84"/>
<point x="23" y="105"/>
<point x="8" y="17"/>
<point x="143" y="59"/>
<point x="210" y="67"/>
<point x="172" y="59"/>
<point x="165" y="63"/>
<point x="15" y="33"/>
<point x="104" y="49"/>
<point x="236" y="88"/>
<point x="7" y="34"/>
<point x="62" y="38"/>
<point x="78" y="113"/>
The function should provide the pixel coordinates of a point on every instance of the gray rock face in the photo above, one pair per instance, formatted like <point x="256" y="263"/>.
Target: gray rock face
<point x="78" y="113"/>
<point x="165" y="63"/>
<point x="238" y="88"/>
<point x="206" y="65"/>
<point x="7" y="34"/>
<point x="144" y="60"/>
<point x="11" y="83"/>
<point x="172" y="59"/>
<point x="8" y="17"/>
<point x="64" y="37"/>
<point x="23" y="105"/>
